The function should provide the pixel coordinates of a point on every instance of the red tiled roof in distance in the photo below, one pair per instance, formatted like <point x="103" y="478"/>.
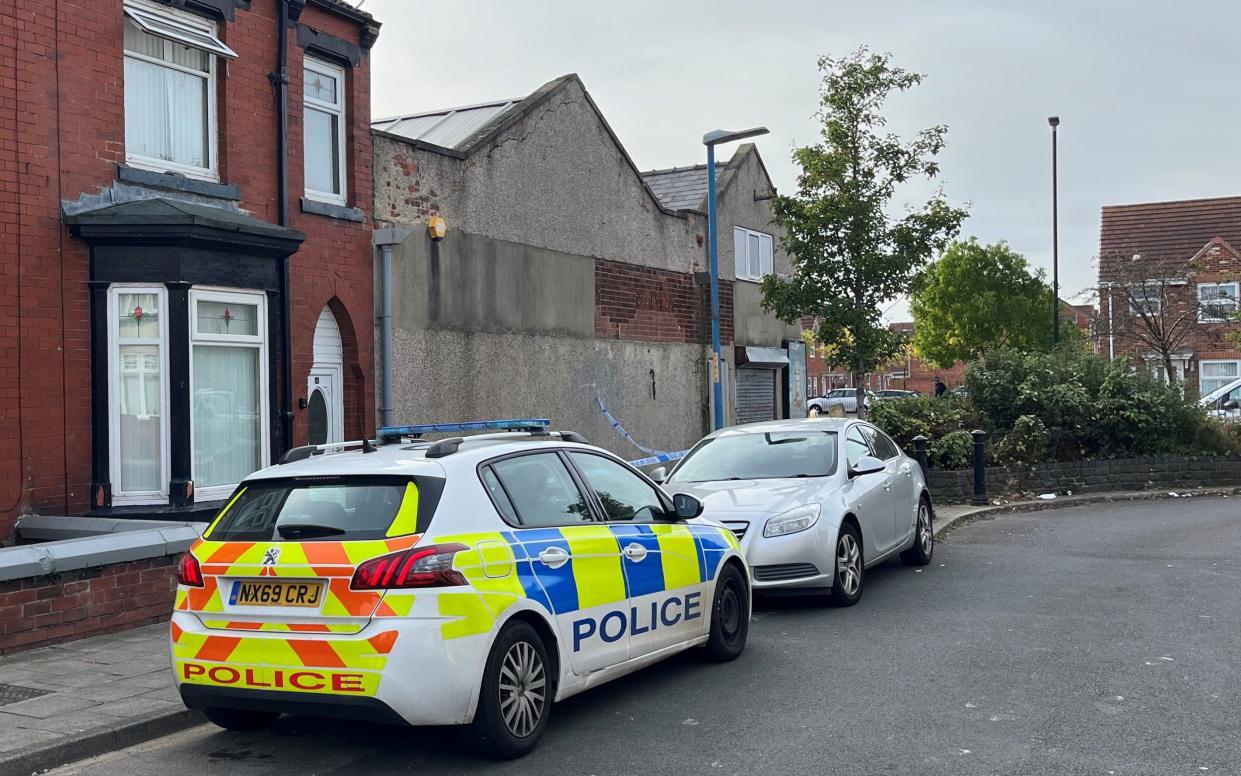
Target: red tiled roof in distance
<point x="1164" y="232"/>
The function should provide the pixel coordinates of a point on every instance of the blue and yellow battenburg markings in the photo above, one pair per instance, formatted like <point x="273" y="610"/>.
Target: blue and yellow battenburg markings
<point x="504" y="568"/>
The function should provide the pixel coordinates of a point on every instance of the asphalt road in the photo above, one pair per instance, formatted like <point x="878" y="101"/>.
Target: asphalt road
<point x="1094" y="640"/>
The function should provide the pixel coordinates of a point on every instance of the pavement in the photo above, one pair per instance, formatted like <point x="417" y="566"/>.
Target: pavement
<point x="1094" y="639"/>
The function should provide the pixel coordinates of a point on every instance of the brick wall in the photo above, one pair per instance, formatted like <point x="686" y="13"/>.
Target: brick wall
<point x="633" y="302"/>
<point x="1121" y="474"/>
<point x="72" y="605"/>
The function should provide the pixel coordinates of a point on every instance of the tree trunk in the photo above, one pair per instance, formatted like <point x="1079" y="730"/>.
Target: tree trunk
<point x="860" y="389"/>
<point x="1167" y="365"/>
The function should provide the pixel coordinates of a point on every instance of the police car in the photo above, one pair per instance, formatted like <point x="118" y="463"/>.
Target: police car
<point x="470" y="580"/>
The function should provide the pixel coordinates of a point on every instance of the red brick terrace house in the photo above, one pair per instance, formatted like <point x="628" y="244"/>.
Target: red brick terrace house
<point x="187" y="259"/>
<point x="1181" y="260"/>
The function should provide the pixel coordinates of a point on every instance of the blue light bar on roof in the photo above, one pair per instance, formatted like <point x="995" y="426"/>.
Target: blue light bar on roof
<point x="514" y="424"/>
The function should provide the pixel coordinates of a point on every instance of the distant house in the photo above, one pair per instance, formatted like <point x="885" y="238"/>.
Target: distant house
<point x="568" y="275"/>
<point x="1173" y="266"/>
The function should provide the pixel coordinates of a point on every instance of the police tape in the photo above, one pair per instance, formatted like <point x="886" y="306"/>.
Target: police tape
<point x="618" y="428"/>
<point x="661" y="458"/>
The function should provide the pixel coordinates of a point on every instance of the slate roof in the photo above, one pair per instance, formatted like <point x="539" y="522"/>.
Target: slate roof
<point x="158" y="211"/>
<point x="449" y="127"/>
<point x="1166" y="231"/>
<point x="682" y="188"/>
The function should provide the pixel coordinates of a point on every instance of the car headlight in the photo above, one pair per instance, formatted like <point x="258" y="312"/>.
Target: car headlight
<point x="794" y="520"/>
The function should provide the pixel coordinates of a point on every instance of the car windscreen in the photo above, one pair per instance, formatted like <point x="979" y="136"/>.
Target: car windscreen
<point x="759" y="456"/>
<point x="327" y="509"/>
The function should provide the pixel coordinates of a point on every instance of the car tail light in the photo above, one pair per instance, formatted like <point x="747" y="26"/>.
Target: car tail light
<point x="189" y="572"/>
<point x="416" y="567"/>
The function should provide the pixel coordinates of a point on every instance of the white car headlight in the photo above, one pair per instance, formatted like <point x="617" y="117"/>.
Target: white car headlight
<point x="792" y="521"/>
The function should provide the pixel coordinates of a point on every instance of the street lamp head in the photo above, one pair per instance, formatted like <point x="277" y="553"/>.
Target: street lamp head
<point x="1053" y="121"/>
<point x="726" y="136"/>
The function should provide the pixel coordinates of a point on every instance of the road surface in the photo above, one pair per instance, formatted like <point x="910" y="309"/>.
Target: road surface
<point x="1101" y="639"/>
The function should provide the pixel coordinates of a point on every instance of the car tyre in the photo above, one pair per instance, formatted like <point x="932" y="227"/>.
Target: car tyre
<point x="730" y="616"/>
<point x="240" y="720"/>
<point x="850" y="567"/>
<point x="516" y="695"/>
<point x="923" y="548"/>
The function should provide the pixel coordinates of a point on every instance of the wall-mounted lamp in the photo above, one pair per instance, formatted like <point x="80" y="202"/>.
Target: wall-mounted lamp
<point x="437" y="228"/>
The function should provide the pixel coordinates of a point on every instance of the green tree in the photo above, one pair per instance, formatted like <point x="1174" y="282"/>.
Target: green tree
<point x="977" y="299"/>
<point x="849" y="255"/>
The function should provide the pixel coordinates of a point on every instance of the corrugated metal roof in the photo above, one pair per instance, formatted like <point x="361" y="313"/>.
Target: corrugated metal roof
<point x="448" y="128"/>
<point x="681" y="188"/>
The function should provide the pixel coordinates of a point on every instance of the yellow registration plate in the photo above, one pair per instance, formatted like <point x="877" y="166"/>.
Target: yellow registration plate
<point x="254" y="593"/>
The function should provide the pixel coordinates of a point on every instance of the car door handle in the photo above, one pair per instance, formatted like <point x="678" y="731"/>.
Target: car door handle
<point x="553" y="557"/>
<point x="887" y="485"/>
<point x="635" y="552"/>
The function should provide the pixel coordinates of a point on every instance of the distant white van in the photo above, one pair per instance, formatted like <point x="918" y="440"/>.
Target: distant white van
<point x="1224" y="402"/>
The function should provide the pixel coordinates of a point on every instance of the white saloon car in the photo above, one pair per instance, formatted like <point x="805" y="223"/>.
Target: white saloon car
<point x="467" y="580"/>
<point x="814" y="502"/>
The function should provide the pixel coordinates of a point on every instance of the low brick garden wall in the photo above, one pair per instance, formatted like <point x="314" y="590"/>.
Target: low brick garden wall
<point x="1121" y="474"/>
<point x="86" y="602"/>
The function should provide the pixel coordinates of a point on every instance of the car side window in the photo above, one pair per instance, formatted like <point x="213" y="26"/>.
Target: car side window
<point x="855" y="446"/>
<point x="885" y="449"/>
<point x="541" y="491"/>
<point x="503" y="505"/>
<point x="625" y="496"/>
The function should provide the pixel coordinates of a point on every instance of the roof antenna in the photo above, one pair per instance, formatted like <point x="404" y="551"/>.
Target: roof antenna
<point x="367" y="447"/>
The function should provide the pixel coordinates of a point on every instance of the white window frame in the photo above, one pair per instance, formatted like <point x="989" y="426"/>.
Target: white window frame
<point x="1157" y="309"/>
<point x="160" y="496"/>
<point x="1201" y="372"/>
<point x="136" y="10"/>
<point x="1203" y="317"/>
<point x="339" y="110"/>
<point x="741" y="237"/>
<point x="258" y="341"/>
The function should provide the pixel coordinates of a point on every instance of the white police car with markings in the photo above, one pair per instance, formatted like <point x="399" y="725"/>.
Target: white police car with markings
<point x="468" y="580"/>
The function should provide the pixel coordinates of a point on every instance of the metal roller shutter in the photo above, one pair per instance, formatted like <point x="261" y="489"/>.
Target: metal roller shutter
<point x="756" y="395"/>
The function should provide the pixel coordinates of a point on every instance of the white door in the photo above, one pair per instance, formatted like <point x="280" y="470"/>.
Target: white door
<point x="325" y="400"/>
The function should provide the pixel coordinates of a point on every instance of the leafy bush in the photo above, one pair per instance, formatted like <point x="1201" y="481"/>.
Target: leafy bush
<point x="952" y="451"/>
<point x="933" y="418"/>
<point x="1026" y="443"/>
<point x="1062" y="406"/>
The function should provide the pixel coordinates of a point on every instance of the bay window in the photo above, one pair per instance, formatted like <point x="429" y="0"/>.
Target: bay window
<point x="323" y="131"/>
<point x="138" y="406"/>
<point x="228" y="406"/>
<point x="170" y="89"/>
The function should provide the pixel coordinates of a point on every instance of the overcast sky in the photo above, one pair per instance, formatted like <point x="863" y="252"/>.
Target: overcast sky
<point x="1147" y="90"/>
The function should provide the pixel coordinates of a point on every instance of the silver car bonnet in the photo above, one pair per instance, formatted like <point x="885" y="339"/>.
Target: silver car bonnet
<point x="755" y="499"/>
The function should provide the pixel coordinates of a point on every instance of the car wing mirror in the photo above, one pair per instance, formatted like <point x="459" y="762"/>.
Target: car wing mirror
<point x="1231" y="404"/>
<point x="659" y="474"/>
<point x="868" y="464"/>
<point x="686" y="506"/>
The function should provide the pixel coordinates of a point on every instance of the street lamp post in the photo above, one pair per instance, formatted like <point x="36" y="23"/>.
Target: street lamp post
<point x="711" y="140"/>
<point x="1053" y="122"/>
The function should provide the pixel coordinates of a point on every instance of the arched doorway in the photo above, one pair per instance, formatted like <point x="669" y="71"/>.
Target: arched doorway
<point x="325" y="397"/>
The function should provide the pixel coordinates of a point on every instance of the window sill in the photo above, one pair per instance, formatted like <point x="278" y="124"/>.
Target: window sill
<point x="175" y="181"/>
<point x="333" y="211"/>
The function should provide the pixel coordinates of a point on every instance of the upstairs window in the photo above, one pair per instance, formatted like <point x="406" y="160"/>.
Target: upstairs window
<point x="753" y="251"/>
<point x="170" y="72"/>
<point x="1217" y="302"/>
<point x="1145" y="300"/>
<point x="323" y="135"/>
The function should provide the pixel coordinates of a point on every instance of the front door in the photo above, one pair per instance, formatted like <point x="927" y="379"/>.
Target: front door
<point x="663" y="578"/>
<point x="576" y="558"/>
<point x="871" y="496"/>
<point x="325" y="407"/>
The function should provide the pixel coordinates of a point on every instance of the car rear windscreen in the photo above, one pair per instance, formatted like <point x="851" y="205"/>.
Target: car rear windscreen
<point x="327" y="509"/>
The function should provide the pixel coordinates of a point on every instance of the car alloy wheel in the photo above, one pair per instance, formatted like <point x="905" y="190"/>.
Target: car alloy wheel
<point x="523" y="689"/>
<point x="926" y="536"/>
<point x="848" y="563"/>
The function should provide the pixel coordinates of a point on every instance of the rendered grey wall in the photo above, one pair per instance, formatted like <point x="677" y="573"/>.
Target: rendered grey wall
<point x="453" y="375"/>
<point x="478" y="284"/>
